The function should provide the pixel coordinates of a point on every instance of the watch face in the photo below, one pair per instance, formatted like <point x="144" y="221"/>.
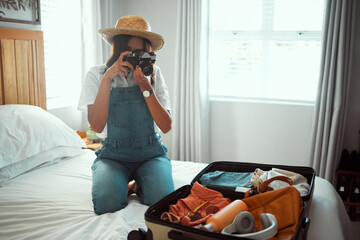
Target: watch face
<point x="146" y="93"/>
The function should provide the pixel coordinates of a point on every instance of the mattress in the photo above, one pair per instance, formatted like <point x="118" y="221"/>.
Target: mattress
<point x="54" y="202"/>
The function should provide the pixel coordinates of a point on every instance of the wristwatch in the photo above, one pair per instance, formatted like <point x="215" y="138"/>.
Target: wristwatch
<point x="147" y="93"/>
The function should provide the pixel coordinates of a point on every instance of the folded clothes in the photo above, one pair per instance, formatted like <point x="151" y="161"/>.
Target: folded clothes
<point x="201" y="202"/>
<point x="295" y="177"/>
<point x="299" y="181"/>
<point x="228" y="179"/>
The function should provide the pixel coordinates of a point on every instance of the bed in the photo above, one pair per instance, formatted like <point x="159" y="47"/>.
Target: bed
<point x="45" y="169"/>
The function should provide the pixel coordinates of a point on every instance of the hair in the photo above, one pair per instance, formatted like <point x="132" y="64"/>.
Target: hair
<point x="120" y="44"/>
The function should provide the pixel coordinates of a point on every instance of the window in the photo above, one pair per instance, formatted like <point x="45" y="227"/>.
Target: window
<point x="265" y="49"/>
<point x="61" y="26"/>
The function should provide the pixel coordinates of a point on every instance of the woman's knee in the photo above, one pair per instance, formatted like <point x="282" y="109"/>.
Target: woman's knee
<point x="155" y="178"/>
<point x="108" y="202"/>
<point x="109" y="186"/>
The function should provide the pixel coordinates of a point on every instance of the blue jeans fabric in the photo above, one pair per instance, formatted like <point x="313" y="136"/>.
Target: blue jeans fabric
<point x="132" y="150"/>
<point x="228" y="179"/>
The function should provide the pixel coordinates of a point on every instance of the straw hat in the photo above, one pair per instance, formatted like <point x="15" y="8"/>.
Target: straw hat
<point x="134" y="26"/>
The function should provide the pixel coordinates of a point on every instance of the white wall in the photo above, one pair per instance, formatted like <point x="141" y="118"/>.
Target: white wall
<point x="71" y="116"/>
<point x="250" y="131"/>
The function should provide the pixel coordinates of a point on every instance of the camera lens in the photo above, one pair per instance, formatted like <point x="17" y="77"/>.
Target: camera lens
<point x="146" y="68"/>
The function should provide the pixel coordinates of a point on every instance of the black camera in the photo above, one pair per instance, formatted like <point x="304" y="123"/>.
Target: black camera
<point x="145" y="61"/>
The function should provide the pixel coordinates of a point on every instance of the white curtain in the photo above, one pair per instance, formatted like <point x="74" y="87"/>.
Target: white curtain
<point x="334" y="83"/>
<point x="71" y="42"/>
<point x="91" y="42"/>
<point x="92" y="52"/>
<point x="190" y="136"/>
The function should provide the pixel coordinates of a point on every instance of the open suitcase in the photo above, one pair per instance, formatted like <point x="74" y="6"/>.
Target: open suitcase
<point x="159" y="229"/>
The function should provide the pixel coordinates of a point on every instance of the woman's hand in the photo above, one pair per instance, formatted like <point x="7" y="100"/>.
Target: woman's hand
<point x="120" y="67"/>
<point x="141" y="79"/>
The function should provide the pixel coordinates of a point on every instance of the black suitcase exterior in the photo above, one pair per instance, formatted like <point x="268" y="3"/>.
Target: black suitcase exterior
<point x="159" y="229"/>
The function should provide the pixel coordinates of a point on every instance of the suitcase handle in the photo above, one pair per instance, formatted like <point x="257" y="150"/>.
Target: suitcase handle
<point x="264" y="186"/>
<point x="175" y="235"/>
<point x="139" y="234"/>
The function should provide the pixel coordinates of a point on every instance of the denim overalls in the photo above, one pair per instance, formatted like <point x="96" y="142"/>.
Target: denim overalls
<point x="132" y="150"/>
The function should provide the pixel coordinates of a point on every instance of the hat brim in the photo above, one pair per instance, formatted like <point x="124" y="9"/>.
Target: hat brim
<point x="156" y="40"/>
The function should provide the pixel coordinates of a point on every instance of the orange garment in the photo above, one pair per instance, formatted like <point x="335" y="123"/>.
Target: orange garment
<point x="198" y="195"/>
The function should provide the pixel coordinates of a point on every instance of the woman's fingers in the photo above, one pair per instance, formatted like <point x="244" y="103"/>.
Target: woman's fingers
<point x="139" y="74"/>
<point x="120" y="66"/>
<point x="124" y="63"/>
<point x="140" y="78"/>
<point x="122" y="55"/>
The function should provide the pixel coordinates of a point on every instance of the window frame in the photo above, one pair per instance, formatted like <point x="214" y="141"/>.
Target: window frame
<point x="266" y="34"/>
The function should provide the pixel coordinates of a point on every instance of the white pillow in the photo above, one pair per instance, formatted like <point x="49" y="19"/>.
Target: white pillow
<point x="27" y="130"/>
<point x="42" y="159"/>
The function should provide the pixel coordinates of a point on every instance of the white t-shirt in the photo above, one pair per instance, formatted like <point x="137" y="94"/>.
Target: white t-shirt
<point x="91" y="84"/>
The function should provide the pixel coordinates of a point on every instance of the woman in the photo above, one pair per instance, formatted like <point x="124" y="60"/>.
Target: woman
<point x="123" y="104"/>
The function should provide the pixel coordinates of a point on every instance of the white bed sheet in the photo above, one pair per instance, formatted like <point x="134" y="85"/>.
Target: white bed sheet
<point x="54" y="202"/>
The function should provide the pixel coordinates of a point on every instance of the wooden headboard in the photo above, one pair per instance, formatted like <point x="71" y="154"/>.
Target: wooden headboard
<point x="22" y="72"/>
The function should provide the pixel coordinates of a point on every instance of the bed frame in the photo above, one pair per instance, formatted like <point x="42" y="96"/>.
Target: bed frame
<point x="22" y="72"/>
